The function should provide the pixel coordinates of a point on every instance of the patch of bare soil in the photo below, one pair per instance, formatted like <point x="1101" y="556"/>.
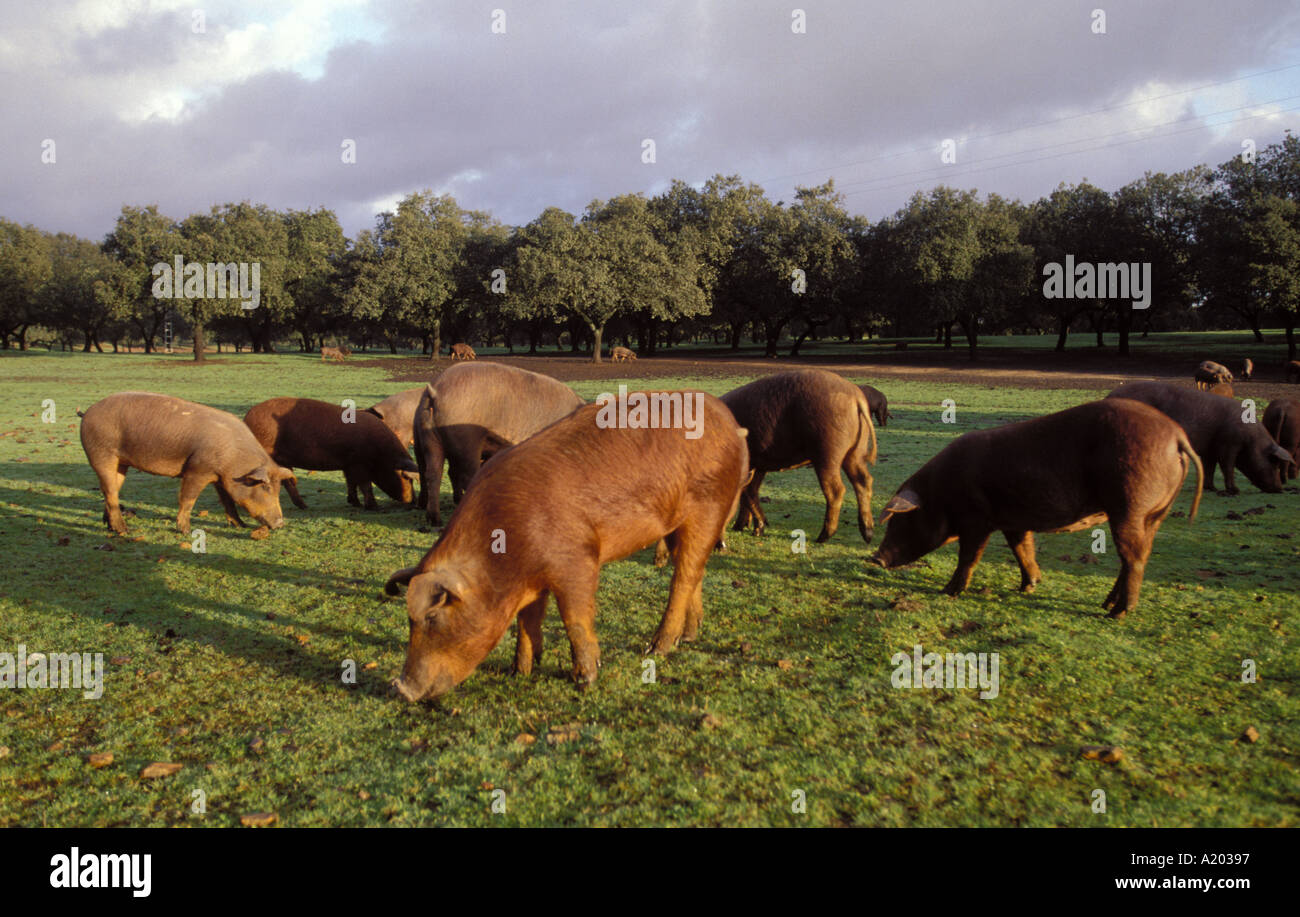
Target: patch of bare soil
<point x="1021" y="369"/>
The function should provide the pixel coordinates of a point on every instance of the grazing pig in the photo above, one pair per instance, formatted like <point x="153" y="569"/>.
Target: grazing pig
<point x="471" y="412"/>
<point x="878" y="404"/>
<point x="1209" y="372"/>
<point x="302" y="433"/>
<point x="1111" y="459"/>
<point x="1282" y="421"/>
<point x="543" y="517"/>
<point x="621" y="354"/>
<point x="463" y="352"/>
<point x="200" y="445"/>
<point x="1218" y="433"/>
<point x="398" y="414"/>
<point x="1291" y="371"/>
<point x="1222" y="388"/>
<point x="808" y="416"/>
<point x="1247" y="368"/>
<point x="331" y="353"/>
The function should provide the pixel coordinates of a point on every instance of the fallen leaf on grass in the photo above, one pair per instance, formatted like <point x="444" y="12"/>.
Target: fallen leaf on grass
<point x="100" y="759"/>
<point x="1107" y="754"/>
<point x="258" y="819"/>
<point x="160" y="769"/>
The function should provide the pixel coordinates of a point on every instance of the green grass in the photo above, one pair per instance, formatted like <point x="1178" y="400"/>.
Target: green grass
<point x="229" y="663"/>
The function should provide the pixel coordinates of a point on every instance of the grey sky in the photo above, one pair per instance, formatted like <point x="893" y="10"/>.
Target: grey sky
<point x="143" y="109"/>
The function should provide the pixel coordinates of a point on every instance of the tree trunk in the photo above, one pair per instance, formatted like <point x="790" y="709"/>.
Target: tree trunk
<point x="1290" y="335"/>
<point x="947" y="335"/>
<point x="1064" y="331"/>
<point x="198" y="342"/>
<point x="595" y="342"/>
<point x="1125" y="322"/>
<point x="737" y="329"/>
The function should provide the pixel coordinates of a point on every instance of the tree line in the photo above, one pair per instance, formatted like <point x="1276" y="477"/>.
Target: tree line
<point x="715" y="262"/>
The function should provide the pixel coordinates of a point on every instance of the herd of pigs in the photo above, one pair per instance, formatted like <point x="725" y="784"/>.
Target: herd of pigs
<point x="545" y="493"/>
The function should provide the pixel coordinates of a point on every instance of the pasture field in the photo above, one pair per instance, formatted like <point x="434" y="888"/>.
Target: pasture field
<point x="229" y="663"/>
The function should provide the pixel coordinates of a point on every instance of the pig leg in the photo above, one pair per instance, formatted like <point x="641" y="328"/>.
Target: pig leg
<point x="528" y="636"/>
<point x="291" y="485"/>
<point x="856" y="468"/>
<point x="970" y="548"/>
<point x="431" y="481"/>
<point x="833" y="488"/>
<point x="1133" y="539"/>
<point x="692" y="552"/>
<point x="694" y="613"/>
<point x="576" y="599"/>
<point x="228" y="504"/>
<point x="111" y="474"/>
<point x="1228" y="462"/>
<point x="192" y="484"/>
<point x="1022" y="545"/>
<point x="750" y="506"/>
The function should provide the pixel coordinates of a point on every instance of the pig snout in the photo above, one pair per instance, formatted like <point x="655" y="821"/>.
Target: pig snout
<point x="412" y="692"/>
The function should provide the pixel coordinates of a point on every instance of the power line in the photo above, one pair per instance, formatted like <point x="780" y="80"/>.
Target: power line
<point x="1053" y="146"/>
<point x="1069" y="153"/>
<point x="1026" y="127"/>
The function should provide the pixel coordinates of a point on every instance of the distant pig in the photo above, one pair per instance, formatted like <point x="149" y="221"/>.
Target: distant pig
<point x="1282" y="421"/>
<point x="1247" y="368"/>
<point x="335" y="354"/>
<point x="302" y="433"/>
<point x="1209" y="372"/>
<point x="1219" y="432"/>
<point x="398" y="413"/>
<point x="621" y="354"/>
<point x="544" y="516"/>
<point x="174" y="438"/>
<point x="1222" y="388"/>
<point x="803" y="417"/>
<point x="878" y="404"/>
<point x="1066" y="471"/>
<point x="472" y="411"/>
<point x="463" y="352"/>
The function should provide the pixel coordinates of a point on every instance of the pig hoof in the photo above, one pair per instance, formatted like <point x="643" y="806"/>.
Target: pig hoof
<point x="823" y="537"/>
<point x="1118" y="613"/>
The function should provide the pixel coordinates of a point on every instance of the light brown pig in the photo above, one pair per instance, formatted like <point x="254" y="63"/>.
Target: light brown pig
<point x="473" y="410"/>
<point x="398" y="413"/>
<point x="174" y="438"/>
<point x="544" y="516"/>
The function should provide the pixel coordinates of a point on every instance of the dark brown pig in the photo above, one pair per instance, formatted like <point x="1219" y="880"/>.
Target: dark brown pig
<point x="302" y="433"/>
<point x="398" y="414"/>
<point x="174" y="438"/>
<point x="878" y="404"/>
<point x="1066" y="471"/>
<point x="808" y="416"/>
<point x="1282" y="421"/>
<point x="1291" y="371"/>
<point x="1209" y="372"/>
<point x="473" y="410"/>
<point x="1219" y="433"/>
<point x="541" y="518"/>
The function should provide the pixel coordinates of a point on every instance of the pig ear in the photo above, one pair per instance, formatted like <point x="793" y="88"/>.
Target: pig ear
<point x="254" y="477"/>
<point x="399" y="578"/>
<point x="433" y="590"/>
<point x="904" y="501"/>
<point x="375" y="410"/>
<point x="408" y="464"/>
<point x="280" y="473"/>
<point x="1278" y="454"/>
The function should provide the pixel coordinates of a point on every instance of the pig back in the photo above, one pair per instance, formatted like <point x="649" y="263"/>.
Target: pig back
<point x="608" y="490"/>
<point x="305" y="433"/>
<point x="509" y="404"/>
<point x="791" y="417"/>
<point x="164" y="435"/>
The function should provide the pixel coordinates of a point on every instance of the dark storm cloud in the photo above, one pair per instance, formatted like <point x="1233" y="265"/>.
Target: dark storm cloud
<point x="554" y="111"/>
